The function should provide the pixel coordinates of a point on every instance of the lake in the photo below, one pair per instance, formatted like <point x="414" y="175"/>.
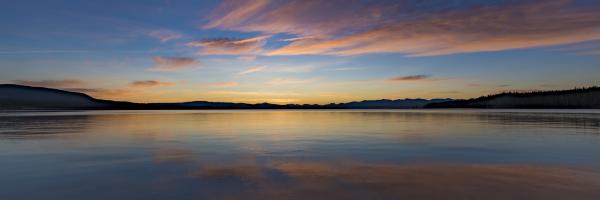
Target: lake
<point x="301" y="154"/>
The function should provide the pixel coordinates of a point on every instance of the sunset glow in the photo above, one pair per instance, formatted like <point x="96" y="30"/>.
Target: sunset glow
<point x="299" y="51"/>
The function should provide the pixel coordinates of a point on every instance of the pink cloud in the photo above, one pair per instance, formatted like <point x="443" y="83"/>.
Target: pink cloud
<point x="165" y="35"/>
<point x="410" y="78"/>
<point x="173" y="63"/>
<point x="342" y="28"/>
<point x="150" y="83"/>
<point x="252" y="70"/>
<point x="227" y="46"/>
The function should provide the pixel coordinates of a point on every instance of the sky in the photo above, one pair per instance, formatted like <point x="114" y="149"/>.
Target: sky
<point x="299" y="51"/>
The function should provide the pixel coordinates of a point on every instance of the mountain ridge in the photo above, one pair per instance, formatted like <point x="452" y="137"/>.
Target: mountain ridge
<point x="17" y="97"/>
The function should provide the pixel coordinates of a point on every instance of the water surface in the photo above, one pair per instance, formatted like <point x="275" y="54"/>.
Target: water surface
<point x="287" y="154"/>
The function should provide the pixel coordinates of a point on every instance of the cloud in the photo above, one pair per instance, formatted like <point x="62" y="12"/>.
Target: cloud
<point x="225" y="84"/>
<point x="347" y="69"/>
<point x="173" y="63"/>
<point x="46" y="51"/>
<point x="150" y="83"/>
<point x="52" y="83"/>
<point x="411" y="78"/>
<point x="229" y="46"/>
<point x="340" y="28"/>
<point x="101" y="92"/>
<point x="247" y="57"/>
<point x="288" y="81"/>
<point x="253" y="93"/>
<point x="304" y="18"/>
<point x="165" y="35"/>
<point x="252" y="70"/>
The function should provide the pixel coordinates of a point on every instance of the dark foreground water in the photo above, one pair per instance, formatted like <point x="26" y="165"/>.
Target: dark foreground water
<point x="350" y="154"/>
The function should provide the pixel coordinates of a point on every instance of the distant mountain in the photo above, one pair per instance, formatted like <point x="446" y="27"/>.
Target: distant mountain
<point x="386" y="103"/>
<point x="16" y="97"/>
<point x="575" y="98"/>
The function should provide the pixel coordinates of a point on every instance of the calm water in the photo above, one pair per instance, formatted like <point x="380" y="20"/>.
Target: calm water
<point x="354" y="154"/>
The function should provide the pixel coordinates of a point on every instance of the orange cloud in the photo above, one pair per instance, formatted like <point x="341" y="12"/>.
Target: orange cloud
<point x="150" y="83"/>
<point x="173" y="63"/>
<point x="342" y="28"/>
<point x="225" y="84"/>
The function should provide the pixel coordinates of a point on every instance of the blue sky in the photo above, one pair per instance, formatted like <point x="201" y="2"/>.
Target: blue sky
<point x="299" y="51"/>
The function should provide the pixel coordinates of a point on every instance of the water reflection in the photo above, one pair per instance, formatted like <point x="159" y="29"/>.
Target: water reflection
<point x="39" y="126"/>
<point x="439" y="154"/>
<point x="326" y="180"/>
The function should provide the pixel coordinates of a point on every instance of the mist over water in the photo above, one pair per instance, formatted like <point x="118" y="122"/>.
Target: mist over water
<point x="288" y="154"/>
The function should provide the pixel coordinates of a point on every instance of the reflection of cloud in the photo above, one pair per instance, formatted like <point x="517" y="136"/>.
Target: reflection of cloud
<point x="306" y="180"/>
<point x="238" y="171"/>
<point x="342" y="28"/>
<point x="150" y="83"/>
<point x="227" y="46"/>
<point x="52" y="83"/>
<point x="172" y="63"/>
<point x="252" y="70"/>
<point x="410" y="78"/>
<point x="172" y="154"/>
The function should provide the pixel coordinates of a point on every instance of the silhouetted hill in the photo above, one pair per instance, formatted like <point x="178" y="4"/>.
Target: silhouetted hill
<point x="16" y="97"/>
<point x="575" y="98"/>
<point x="25" y="97"/>
<point x="19" y="97"/>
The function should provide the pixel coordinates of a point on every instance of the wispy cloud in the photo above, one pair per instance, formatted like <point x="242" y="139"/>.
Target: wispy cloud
<point x="101" y="92"/>
<point x="411" y="78"/>
<point x="247" y="57"/>
<point x="341" y="28"/>
<point x="150" y="84"/>
<point x="229" y="46"/>
<point x="252" y="70"/>
<point x="45" y="51"/>
<point x="173" y="63"/>
<point x="225" y="84"/>
<point x="52" y="83"/>
<point x="253" y="93"/>
<point x="347" y="69"/>
<point x="288" y="81"/>
<point x="165" y="35"/>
